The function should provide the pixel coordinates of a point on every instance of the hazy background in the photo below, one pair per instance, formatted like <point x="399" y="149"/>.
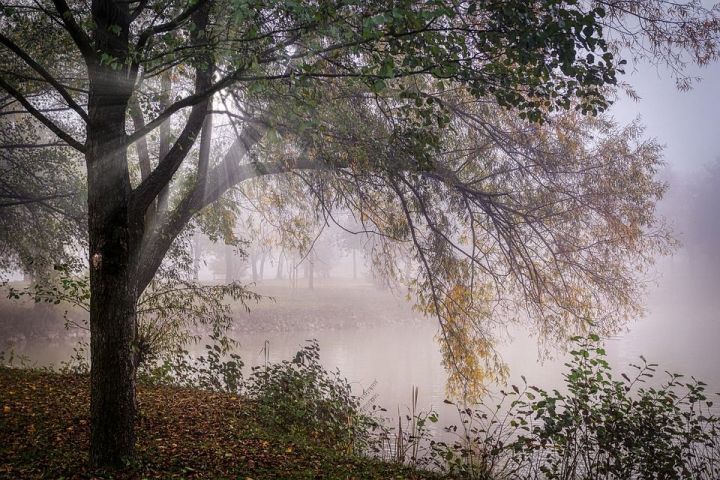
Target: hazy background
<point x="378" y="342"/>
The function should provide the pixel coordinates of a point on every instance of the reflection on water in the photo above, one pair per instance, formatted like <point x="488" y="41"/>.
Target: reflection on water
<point x="679" y="334"/>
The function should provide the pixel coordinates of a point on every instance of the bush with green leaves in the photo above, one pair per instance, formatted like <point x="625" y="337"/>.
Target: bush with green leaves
<point x="300" y="398"/>
<point x="636" y="427"/>
<point x="219" y="369"/>
<point x="172" y="313"/>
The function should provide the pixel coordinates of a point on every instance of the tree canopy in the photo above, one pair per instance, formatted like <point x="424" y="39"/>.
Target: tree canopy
<point x="468" y="135"/>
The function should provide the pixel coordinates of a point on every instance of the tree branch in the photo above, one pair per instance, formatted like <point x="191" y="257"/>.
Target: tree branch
<point x="14" y="200"/>
<point x="44" y="74"/>
<point x="142" y="147"/>
<point x="139" y="9"/>
<point x="148" y="33"/>
<point x="228" y="173"/>
<point x="81" y="39"/>
<point x="42" y="118"/>
<point x="164" y="147"/>
<point x="204" y="154"/>
<point x="159" y="179"/>
<point x="203" y="95"/>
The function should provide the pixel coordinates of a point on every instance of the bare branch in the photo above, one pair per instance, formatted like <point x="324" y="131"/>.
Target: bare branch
<point x="42" y="118"/>
<point x="142" y="147"/>
<point x="44" y="74"/>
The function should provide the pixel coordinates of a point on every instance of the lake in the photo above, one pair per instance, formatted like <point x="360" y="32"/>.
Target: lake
<point x="382" y="345"/>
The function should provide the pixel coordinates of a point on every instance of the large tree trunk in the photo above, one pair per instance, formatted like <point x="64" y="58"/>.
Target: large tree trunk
<point x="112" y="374"/>
<point x="112" y="302"/>
<point x="116" y="224"/>
<point x="113" y="241"/>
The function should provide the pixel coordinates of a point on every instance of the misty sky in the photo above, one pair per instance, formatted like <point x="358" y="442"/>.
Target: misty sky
<point x="685" y="122"/>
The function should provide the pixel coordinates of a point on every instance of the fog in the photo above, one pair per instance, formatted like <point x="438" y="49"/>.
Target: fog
<point x="370" y="332"/>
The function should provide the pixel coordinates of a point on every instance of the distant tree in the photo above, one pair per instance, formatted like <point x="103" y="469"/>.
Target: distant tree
<point x="352" y="238"/>
<point x="437" y="121"/>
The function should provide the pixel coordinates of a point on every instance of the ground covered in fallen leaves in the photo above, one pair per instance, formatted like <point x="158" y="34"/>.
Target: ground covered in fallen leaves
<point x="182" y="433"/>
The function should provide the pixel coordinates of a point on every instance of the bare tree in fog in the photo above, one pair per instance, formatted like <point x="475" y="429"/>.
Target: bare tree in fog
<point x="440" y="124"/>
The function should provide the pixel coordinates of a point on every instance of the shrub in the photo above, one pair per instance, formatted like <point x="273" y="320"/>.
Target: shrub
<point x="300" y="398"/>
<point x="219" y="369"/>
<point x="602" y="427"/>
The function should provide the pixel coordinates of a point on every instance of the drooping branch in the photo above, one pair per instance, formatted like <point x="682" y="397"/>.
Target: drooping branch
<point x="49" y="78"/>
<point x="63" y="135"/>
<point x="434" y="290"/>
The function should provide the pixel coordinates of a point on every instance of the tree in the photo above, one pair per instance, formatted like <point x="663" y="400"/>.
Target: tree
<point x="423" y="76"/>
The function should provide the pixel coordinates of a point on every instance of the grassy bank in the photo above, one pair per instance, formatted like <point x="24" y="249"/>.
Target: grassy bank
<point x="182" y="433"/>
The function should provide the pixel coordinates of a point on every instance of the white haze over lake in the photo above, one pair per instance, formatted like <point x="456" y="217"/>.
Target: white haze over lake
<point x="680" y="331"/>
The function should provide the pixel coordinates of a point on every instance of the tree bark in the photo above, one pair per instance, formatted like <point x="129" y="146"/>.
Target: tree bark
<point x="113" y="240"/>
